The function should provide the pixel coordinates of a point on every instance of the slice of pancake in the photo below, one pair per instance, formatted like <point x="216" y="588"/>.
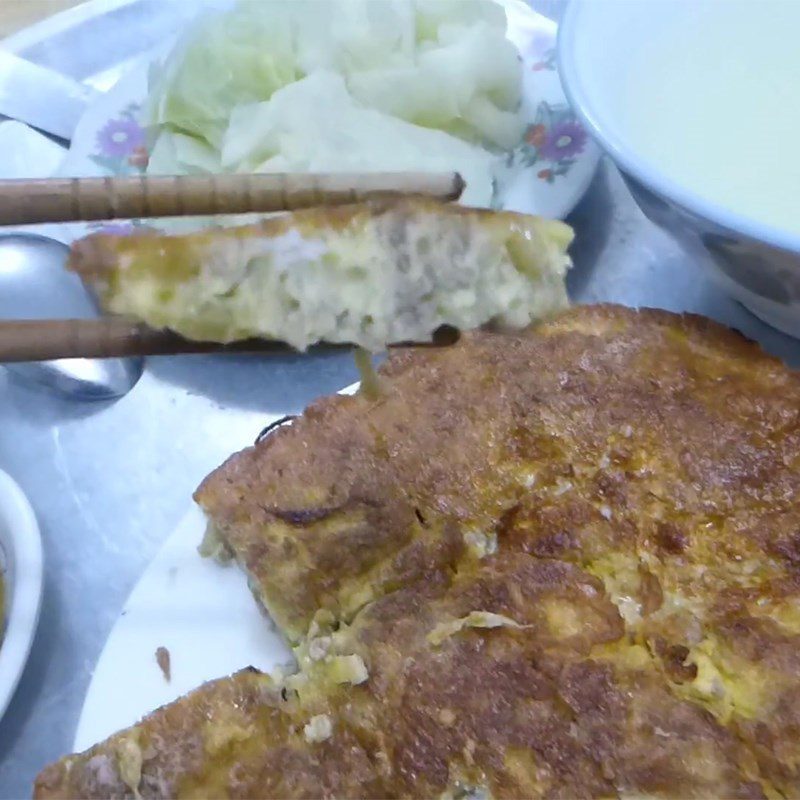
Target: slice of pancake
<point x="560" y="564"/>
<point x="373" y="274"/>
<point x="466" y="682"/>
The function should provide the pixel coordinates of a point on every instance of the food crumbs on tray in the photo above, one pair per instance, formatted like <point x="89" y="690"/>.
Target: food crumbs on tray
<point x="163" y="661"/>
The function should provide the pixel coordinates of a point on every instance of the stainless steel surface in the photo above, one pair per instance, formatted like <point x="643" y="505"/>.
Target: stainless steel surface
<point x="41" y="97"/>
<point x="34" y="284"/>
<point x="109" y="481"/>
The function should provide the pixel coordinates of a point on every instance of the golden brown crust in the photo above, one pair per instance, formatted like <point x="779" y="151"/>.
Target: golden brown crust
<point x="211" y="743"/>
<point x="369" y="491"/>
<point x="97" y="256"/>
<point x="524" y="710"/>
<point x="635" y="633"/>
<point x="92" y="256"/>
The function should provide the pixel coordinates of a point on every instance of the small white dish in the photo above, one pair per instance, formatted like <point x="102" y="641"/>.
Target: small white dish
<point x="21" y="567"/>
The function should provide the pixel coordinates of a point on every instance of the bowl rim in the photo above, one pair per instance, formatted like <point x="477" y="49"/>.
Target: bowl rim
<point x="639" y="168"/>
<point x="22" y="544"/>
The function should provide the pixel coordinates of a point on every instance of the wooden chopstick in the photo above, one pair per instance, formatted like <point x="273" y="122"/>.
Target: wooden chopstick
<point x="25" y="202"/>
<point x="110" y="337"/>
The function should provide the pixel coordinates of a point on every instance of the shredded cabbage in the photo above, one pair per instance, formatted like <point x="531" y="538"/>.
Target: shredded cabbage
<point x="314" y="125"/>
<point x="470" y="85"/>
<point x="227" y="58"/>
<point x="247" y="88"/>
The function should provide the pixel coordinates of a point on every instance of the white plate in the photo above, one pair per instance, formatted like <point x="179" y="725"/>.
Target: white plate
<point x="203" y="613"/>
<point x="21" y="566"/>
<point x="549" y="172"/>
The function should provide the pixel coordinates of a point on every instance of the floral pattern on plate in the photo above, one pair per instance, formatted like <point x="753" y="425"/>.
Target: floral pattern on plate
<point x="554" y="140"/>
<point x="121" y="143"/>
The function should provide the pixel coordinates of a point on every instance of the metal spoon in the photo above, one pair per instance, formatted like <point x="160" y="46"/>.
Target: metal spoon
<point x="34" y="284"/>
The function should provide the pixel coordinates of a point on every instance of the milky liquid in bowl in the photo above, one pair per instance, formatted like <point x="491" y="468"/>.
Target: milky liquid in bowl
<point x="705" y="94"/>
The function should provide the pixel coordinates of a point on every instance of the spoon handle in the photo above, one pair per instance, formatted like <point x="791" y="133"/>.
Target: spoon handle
<point x="113" y="337"/>
<point x="25" y="202"/>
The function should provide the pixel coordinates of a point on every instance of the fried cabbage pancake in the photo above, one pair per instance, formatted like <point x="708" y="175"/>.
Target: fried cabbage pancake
<point x="371" y="274"/>
<point x="472" y="684"/>
<point x="561" y="564"/>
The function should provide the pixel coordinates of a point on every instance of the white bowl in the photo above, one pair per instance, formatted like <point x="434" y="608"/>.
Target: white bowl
<point x="21" y="565"/>
<point x="634" y="69"/>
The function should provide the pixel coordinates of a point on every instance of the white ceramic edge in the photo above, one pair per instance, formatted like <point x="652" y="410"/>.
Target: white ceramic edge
<point x="602" y="130"/>
<point x="86" y="721"/>
<point x="23" y="540"/>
